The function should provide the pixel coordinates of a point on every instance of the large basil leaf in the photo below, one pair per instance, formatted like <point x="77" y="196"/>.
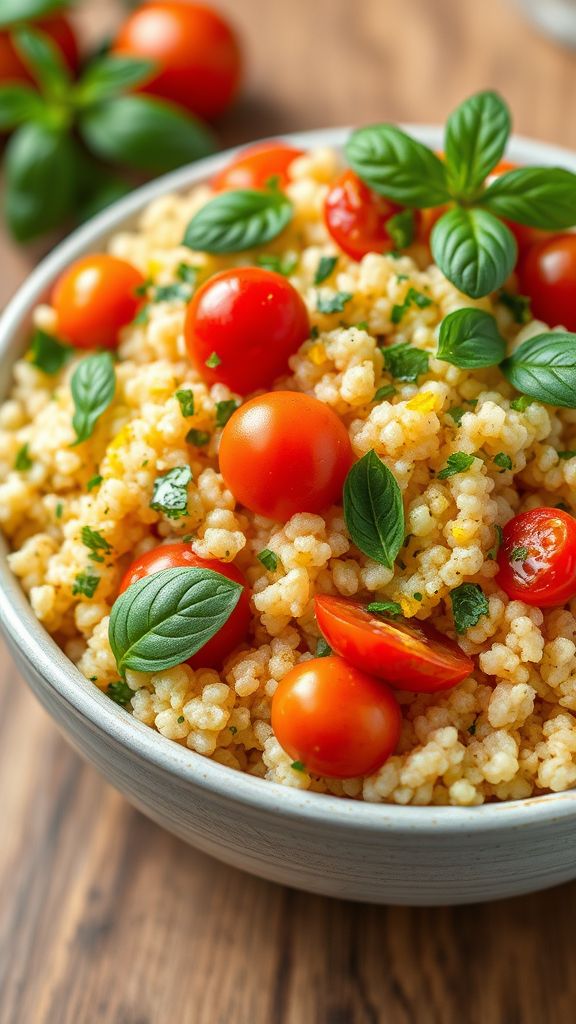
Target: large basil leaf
<point x="17" y="104"/>
<point x="111" y="74"/>
<point x="163" y="619"/>
<point x="44" y="59"/>
<point x="40" y="166"/>
<point x="13" y="11"/>
<point x="475" y="140"/>
<point x="396" y="165"/>
<point x="474" y="250"/>
<point x="373" y="509"/>
<point x="93" y="386"/>
<point x="544" y="368"/>
<point x="239" y="220"/>
<point x="542" y="197"/>
<point x="145" y="133"/>
<point x="469" y="338"/>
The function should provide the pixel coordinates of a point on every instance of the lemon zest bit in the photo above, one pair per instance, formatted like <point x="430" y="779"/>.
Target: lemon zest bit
<point x="425" y="401"/>
<point x="317" y="354"/>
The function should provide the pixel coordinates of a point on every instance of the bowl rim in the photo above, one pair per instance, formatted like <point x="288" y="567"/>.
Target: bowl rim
<point x="37" y="648"/>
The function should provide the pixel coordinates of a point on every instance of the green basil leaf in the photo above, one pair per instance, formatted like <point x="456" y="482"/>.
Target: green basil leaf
<point x="325" y="268"/>
<point x="44" y="60"/>
<point x="163" y="619"/>
<point x="469" y="338"/>
<point x="373" y="510"/>
<point x="238" y="220"/>
<point x="145" y="133"/>
<point x="111" y="74"/>
<point x="396" y="165"/>
<point x="541" y="197"/>
<point x="48" y="353"/>
<point x="469" y="604"/>
<point x="18" y="103"/>
<point x="40" y="166"/>
<point x="474" y="250"/>
<point x="402" y="228"/>
<point x="107" y="189"/>
<point x="93" y="386"/>
<point x="544" y="368"/>
<point x="475" y="140"/>
<point x="14" y="11"/>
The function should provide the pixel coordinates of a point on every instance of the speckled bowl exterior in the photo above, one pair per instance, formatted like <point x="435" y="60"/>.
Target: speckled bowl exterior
<point x="371" y="852"/>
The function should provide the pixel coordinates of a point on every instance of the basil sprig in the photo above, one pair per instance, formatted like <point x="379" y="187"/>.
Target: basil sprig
<point x="544" y="368"/>
<point x="373" y="509"/>
<point x="93" y="386"/>
<point x="14" y="11"/>
<point x="469" y="338"/>
<point x="472" y="247"/>
<point x="163" y="619"/>
<point x="238" y="220"/>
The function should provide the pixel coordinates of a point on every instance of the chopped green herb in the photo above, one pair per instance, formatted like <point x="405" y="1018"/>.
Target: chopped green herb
<point x="213" y="360"/>
<point x="401" y="228"/>
<point x="384" y="392"/>
<point x="224" y="411"/>
<point x="298" y="766"/>
<point x="198" y="438"/>
<point x="170" y="494"/>
<point x="176" y="292"/>
<point x="186" y="402"/>
<point x="22" y="462"/>
<point x="563" y="505"/>
<point x="269" y="559"/>
<point x="48" y="353"/>
<point x="325" y="268"/>
<point x="85" y="584"/>
<point x="567" y="455"/>
<point x="285" y="265"/>
<point x="314" y="333"/>
<point x="332" y="303"/>
<point x="384" y="608"/>
<point x="120" y="693"/>
<point x="142" y="316"/>
<point x="519" y="306"/>
<point x="95" y="542"/>
<point x="94" y="481"/>
<point x="233" y="729"/>
<point x="323" y="650"/>
<point x="472" y="729"/>
<point x="59" y="510"/>
<point x="503" y="461"/>
<point x="521" y="403"/>
<point x="417" y="596"/>
<point x="469" y="604"/>
<point x="184" y="272"/>
<point x="456" y="412"/>
<point x="494" y="550"/>
<point x="180" y="719"/>
<point x="413" y="298"/>
<point x="458" y="462"/>
<point x="405" y="362"/>
<point x="519" y="554"/>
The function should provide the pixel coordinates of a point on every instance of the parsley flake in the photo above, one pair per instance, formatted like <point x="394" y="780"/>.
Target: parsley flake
<point x="22" y="462"/>
<point x="94" y="481"/>
<point x="413" y="298"/>
<point x="213" y="360"/>
<point x="323" y="649"/>
<point x="298" y="766"/>
<point x="469" y="604"/>
<point x="59" y="510"/>
<point x="198" y="438"/>
<point x="386" y="391"/>
<point x="285" y="265"/>
<point x="332" y="303"/>
<point x="224" y="411"/>
<point x="184" y="272"/>
<point x="456" y="413"/>
<point x="120" y="693"/>
<point x="325" y="268"/>
<point x="417" y="596"/>
<point x="48" y="353"/>
<point x="521" y="403"/>
<point x="186" y="402"/>
<point x="404" y="362"/>
<point x="401" y="228"/>
<point x="269" y="559"/>
<point x="519" y="306"/>
<point x="95" y="542"/>
<point x="567" y="455"/>
<point x="503" y="461"/>
<point x="85" y="584"/>
<point x="458" y="462"/>
<point x="491" y="554"/>
<point x="519" y="554"/>
<point x="384" y="608"/>
<point x="180" y="719"/>
<point x="170" y="493"/>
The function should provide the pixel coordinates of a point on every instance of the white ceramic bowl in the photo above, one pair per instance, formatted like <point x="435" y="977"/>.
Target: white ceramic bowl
<point x="372" y="852"/>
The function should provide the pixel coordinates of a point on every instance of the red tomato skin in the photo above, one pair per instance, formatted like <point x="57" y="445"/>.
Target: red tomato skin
<point x="547" y="275"/>
<point x="58" y="27"/>
<point x="255" y="166"/>
<point x="408" y="656"/>
<point x="233" y="632"/>
<point x="547" y="578"/>
<point x="253" y="319"/>
<point x="283" y="453"/>
<point x="339" y="722"/>
<point x="356" y="217"/>
<point x="198" y="53"/>
<point x="94" y="299"/>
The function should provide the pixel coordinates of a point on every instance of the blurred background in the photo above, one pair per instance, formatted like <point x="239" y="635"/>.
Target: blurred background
<point x="103" y="917"/>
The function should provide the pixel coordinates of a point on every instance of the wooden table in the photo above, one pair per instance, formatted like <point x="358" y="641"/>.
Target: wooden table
<point x="105" y="918"/>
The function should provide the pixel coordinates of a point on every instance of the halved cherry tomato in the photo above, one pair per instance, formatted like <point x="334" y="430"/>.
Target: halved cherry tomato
<point x="357" y="217"/>
<point x="335" y="719"/>
<point x="548" y="276"/>
<point x="197" y="52"/>
<point x="58" y="27"/>
<point x="525" y="236"/>
<point x="242" y="325"/>
<point x="283" y="453"/>
<point x="173" y="556"/>
<point x="257" y="166"/>
<point x="537" y="557"/>
<point x="408" y="655"/>
<point x="95" y="298"/>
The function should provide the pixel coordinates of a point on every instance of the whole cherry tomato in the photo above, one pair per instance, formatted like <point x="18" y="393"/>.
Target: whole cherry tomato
<point x="175" y="556"/>
<point x="357" y="218"/>
<point x="335" y="719"/>
<point x="408" y="655"/>
<point x="95" y="298"/>
<point x="58" y="27"/>
<point x="525" y="236"/>
<point x="548" y="276"/>
<point x="197" y="52"/>
<point x="537" y="557"/>
<point x="242" y="325"/>
<point x="283" y="453"/>
<point x="258" y="166"/>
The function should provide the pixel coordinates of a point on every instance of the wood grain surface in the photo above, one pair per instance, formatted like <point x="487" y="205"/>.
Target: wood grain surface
<point x="105" y="918"/>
